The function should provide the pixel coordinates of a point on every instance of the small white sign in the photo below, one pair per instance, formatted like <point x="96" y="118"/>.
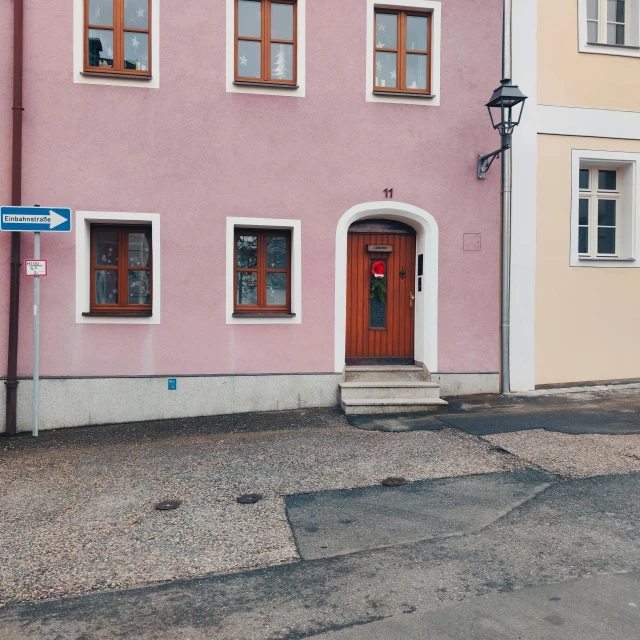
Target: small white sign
<point x="35" y="267"/>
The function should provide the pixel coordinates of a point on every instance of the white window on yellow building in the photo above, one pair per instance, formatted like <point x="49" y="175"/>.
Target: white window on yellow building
<point x="605" y="213"/>
<point x="610" y="26"/>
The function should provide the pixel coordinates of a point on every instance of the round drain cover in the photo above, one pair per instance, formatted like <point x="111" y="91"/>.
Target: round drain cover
<point x="168" y="505"/>
<point x="393" y="482"/>
<point x="249" y="498"/>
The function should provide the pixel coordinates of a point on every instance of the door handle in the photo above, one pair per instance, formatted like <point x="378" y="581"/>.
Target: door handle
<point x="411" y="299"/>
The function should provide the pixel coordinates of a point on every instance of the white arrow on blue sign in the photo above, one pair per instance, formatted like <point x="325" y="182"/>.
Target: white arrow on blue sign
<point x="35" y="219"/>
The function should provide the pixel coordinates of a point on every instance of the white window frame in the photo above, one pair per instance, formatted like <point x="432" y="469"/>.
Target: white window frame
<point x="295" y="227"/>
<point x="627" y="210"/>
<point x="428" y="6"/>
<point x="631" y="48"/>
<point x="275" y="90"/>
<point x="84" y="220"/>
<point x="593" y="194"/>
<point x="82" y="77"/>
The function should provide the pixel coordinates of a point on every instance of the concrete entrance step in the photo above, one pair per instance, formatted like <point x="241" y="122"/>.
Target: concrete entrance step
<point x="385" y="373"/>
<point x="389" y="390"/>
<point x="391" y="405"/>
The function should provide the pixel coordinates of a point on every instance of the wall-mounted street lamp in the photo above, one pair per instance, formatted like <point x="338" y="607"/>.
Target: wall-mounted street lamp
<point x="505" y="110"/>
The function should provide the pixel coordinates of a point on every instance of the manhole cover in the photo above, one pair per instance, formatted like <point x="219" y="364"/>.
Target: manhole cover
<point x="168" y="505"/>
<point x="249" y="498"/>
<point x="393" y="482"/>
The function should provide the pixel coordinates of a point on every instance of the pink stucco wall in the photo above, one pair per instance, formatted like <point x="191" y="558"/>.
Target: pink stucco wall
<point x="196" y="154"/>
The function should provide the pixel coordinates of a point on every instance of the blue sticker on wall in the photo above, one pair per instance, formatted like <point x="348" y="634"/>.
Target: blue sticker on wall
<point x="173" y="384"/>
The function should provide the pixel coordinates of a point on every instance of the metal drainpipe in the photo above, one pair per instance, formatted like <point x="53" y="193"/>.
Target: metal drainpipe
<point x="506" y="215"/>
<point x="16" y="199"/>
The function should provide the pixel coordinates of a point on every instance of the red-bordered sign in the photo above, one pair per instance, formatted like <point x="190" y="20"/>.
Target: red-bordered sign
<point x="35" y="267"/>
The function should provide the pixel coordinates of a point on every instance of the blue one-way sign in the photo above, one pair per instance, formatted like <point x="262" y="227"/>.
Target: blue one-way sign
<point x="35" y="219"/>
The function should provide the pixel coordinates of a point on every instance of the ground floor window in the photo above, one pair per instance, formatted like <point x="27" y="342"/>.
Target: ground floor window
<point x="599" y="212"/>
<point x="262" y="262"/>
<point x="121" y="269"/>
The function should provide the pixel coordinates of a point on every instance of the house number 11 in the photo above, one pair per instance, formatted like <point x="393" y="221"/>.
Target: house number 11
<point x="388" y="194"/>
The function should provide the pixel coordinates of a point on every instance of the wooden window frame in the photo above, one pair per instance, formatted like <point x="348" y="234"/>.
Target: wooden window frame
<point x="401" y="50"/>
<point x="122" y="307"/>
<point x="603" y="22"/>
<point x="119" y="31"/>
<point x="262" y="307"/>
<point x="594" y="194"/>
<point x="265" y="45"/>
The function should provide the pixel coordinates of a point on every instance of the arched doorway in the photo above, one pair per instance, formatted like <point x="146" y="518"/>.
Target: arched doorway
<point x="381" y="290"/>
<point x="426" y="300"/>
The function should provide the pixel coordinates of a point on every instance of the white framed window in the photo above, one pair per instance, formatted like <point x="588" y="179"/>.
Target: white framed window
<point x="610" y="27"/>
<point x="88" y="221"/>
<point x="82" y="76"/>
<point x="407" y="58"/>
<point x="246" y="303"/>
<point x="604" y="212"/>
<point x="241" y="76"/>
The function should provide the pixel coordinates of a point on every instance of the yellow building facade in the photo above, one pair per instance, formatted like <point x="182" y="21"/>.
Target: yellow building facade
<point x="575" y="269"/>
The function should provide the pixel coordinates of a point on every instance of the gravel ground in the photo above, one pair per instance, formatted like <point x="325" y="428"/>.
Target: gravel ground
<point x="78" y="507"/>
<point x="573" y="455"/>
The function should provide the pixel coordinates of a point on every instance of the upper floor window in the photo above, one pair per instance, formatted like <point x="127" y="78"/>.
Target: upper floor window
<point x="402" y="52"/>
<point x="607" y="20"/>
<point x="266" y="41"/>
<point x="118" y="37"/>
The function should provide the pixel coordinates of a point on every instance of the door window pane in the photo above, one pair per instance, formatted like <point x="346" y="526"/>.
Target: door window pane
<point x="417" y="33"/>
<point x="139" y="287"/>
<point x="416" y="71"/>
<point x="136" y="14"/>
<point x="607" y="213"/>
<point x="249" y="18"/>
<point x="583" y="217"/>
<point x="247" y="287"/>
<point x="139" y="254"/>
<point x="607" y="180"/>
<point x="386" y="70"/>
<point x="282" y="21"/>
<point x="583" y="240"/>
<point x="606" y="240"/>
<point x="136" y="51"/>
<point x="386" y="31"/>
<point x="100" y="48"/>
<point x="249" y="59"/>
<point x="107" y="286"/>
<point x="100" y="13"/>
<point x="281" y="61"/>
<point x="107" y="248"/>
<point x="277" y="289"/>
<point x="247" y="252"/>
<point x="276" y="253"/>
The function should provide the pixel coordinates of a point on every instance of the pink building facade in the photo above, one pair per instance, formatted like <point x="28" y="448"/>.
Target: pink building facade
<point x="190" y="155"/>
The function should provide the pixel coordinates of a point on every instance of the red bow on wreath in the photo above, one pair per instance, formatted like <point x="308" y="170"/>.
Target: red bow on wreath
<point x="378" y="288"/>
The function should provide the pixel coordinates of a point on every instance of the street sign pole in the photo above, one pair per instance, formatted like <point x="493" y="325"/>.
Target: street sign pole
<point x="36" y="336"/>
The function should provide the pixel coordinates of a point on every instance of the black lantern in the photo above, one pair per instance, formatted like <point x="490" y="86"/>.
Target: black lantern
<point x="505" y="110"/>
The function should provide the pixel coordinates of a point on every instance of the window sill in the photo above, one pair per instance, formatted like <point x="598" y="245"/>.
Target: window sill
<point x="118" y="76"/>
<point x="102" y="314"/>
<point x="263" y="315"/>
<point x="401" y="94"/>
<point x="614" y="46"/>
<point x="267" y="85"/>
<point x="605" y="259"/>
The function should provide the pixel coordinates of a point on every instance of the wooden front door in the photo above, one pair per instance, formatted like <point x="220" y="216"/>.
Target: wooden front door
<point x="380" y="330"/>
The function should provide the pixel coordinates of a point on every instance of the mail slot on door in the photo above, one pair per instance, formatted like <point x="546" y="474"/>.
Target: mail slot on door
<point x="380" y="248"/>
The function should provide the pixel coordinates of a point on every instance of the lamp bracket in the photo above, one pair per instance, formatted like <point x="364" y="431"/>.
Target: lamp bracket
<point x="485" y="162"/>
